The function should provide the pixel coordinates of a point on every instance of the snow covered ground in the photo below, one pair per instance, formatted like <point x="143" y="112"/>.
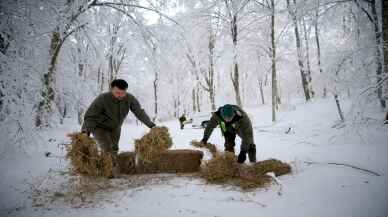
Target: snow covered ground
<point x="311" y="190"/>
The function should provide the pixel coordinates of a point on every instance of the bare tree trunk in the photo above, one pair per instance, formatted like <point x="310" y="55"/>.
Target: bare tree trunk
<point x="198" y="101"/>
<point x="48" y="92"/>
<point x="379" y="70"/>
<point x="112" y="29"/>
<point x="155" y="84"/>
<point x="156" y="81"/>
<point x="235" y="74"/>
<point x="273" y="57"/>
<point x="317" y="41"/>
<point x="261" y="78"/>
<point x="210" y="80"/>
<point x="337" y="102"/>
<point x="307" y="44"/>
<point x="102" y="80"/>
<point x="208" y="75"/>
<point x="385" y="44"/>
<point x="80" y="113"/>
<point x="175" y="108"/>
<point x="261" y="92"/>
<point x="278" y="98"/>
<point x="194" y="100"/>
<point x="305" y="80"/>
<point x="178" y="103"/>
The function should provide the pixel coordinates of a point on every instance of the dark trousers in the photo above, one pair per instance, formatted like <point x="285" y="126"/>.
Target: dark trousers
<point x="107" y="140"/>
<point x="182" y="125"/>
<point x="230" y="138"/>
<point x="230" y="142"/>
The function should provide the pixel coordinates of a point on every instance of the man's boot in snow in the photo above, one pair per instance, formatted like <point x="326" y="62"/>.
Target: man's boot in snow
<point x="252" y="153"/>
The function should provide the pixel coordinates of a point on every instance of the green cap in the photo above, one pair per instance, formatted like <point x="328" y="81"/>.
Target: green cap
<point x="227" y="112"/>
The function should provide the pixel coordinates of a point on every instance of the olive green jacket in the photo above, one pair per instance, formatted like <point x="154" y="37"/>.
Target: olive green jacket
<point x="241" y="125"/>
<point x="108" y="112"/>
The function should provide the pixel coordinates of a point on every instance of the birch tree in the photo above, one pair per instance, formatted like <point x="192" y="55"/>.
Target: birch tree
<point x="306" y="79"/>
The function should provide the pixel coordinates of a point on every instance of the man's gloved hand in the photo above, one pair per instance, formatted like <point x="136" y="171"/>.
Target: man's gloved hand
<point x="204" y="141"/>
<point x="242" y="157"/>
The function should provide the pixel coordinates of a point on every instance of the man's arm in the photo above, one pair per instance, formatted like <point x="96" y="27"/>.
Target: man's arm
<point x="92" y="114"/>
<point x="139" y="112"/>
<point x="209" y="128"/>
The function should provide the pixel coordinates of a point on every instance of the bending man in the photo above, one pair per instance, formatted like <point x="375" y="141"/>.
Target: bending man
<point x="233" y="121"/>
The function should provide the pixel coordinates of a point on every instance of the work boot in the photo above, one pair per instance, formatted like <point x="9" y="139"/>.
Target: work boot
<point x="242" y="157"/>
<point x="252" y="153"/>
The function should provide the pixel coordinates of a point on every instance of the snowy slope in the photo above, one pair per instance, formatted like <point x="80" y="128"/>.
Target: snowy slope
<point x="312" y="190"/>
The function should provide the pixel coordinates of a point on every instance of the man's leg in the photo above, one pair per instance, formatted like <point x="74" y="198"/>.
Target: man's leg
<point x="252" y="153"/>
<point x="115" y="139"/>
<point x="230" y="138"/>
<point x="103" y="139"/>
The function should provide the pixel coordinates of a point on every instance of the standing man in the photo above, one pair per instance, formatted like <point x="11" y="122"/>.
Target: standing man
<point x="107" y="112"/>
<point x="182" y="120"/>
<point x="233" y="121"/>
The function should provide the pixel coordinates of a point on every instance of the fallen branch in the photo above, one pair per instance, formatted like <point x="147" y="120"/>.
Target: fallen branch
<point x="346" y="165"/>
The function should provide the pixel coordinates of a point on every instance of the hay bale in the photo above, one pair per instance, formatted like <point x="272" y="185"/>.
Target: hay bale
<point x="271" y="165"/>
<point x="151" y="145"/>
<point x="253" y="176"/>
<point x="172" y="161"/>
<point x="126" y="162"/>
<point x="210" y="147"/>
<point x="221" y="168"/>
<point x="248" y="178"/>
<point x="224" y="169"/>
<point x="86" y="159"/>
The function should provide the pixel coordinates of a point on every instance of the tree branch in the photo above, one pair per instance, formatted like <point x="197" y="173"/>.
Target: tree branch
<point x="346" y="165"/>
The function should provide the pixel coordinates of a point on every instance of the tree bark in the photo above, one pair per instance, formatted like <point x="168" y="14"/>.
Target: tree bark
<point x="305" y="80"/>
<point x="48" y="92"/>
<point x="307" y="44"/>
<point x="198" y="100"/>
<point x="261" y="92"/>
<point x="273" y="58"/>
<point x="384" y="15"/>
<point x="193" y="99"/>
<point x="210" y="80"/>
<point x="156" y="81"/>
<point x="235" y="74"/>
<point x="340" y="113"/>
<point x="318" y="44"/>
<point x="261" y="78"/>
<point x="379" y="69"/>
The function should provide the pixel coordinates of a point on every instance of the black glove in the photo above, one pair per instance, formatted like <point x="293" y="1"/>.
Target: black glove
<point x="204" y="141"/>
<point x="242" y="157"/>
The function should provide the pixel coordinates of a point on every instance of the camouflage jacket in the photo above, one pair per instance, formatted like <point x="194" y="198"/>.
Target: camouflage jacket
<point x="241" y="125"/>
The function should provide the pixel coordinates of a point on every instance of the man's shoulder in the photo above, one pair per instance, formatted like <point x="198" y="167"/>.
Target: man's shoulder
<point x="130" y="97"/>
<point x="103" y="96"/>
